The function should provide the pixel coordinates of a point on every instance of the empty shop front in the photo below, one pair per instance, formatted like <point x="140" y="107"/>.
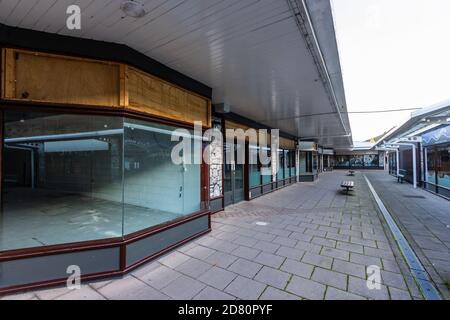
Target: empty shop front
<point x="88" y="177"/>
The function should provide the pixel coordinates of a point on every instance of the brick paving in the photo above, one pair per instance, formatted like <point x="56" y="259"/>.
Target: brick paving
<point x="317" y="244"/>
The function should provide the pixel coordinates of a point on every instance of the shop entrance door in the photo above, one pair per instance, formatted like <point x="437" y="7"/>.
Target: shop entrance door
<point x="234" y="177"/>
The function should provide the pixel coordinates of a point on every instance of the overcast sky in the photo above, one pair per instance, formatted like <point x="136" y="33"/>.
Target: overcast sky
<point x="394" y="54"/>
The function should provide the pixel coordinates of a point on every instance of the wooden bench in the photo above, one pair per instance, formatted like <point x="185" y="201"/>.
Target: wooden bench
<point x="348" y="185"/>
<point x="351" y="173"/>
<point x="401" y="175"/>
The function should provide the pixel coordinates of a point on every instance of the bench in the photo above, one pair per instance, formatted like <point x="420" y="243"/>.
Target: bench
<point x="348" y="185"/>
<point x="401" y="175"/>
<point x="351" y="173"/>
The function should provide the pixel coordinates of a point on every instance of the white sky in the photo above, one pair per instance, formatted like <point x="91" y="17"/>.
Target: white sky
<point x="394" y="54"/>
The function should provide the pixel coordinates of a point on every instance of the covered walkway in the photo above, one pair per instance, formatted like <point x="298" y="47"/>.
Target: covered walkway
<point x="307" y="241"/>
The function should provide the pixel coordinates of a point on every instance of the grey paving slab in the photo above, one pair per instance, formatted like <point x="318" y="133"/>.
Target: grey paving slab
<point x="397" y="294"/>
<point x="130" y="288"/>
<point x="287" y="242"/>
<point x="317" y="260"/>
<point x="349" y="268"/>
<point x="297" y="268"/>
<point x="199" y="252"/>
<point x="183" y="288"/>
<point x="221" y="259"/>
<point x="217" y="277"/>
<point x="307" y="289"/>
<point x="330" y="278"/>
<point x="193" y="267"/>
<point x="336" y="294"/>
<point x="308" y="247"/>
<point x="210" y="293"/>
<point x="317" y="245"/>
<point x="269" y="259"/>
<point x="273" y="277"/>
<point x="335" y="253"/>
<point x="292" y="253"/>
<point x="245" y="288"/>
<point x="359" y="286"/>
<point x="174" y="259"/>
<point x="159" y="277"/>
<point x="20" y="296"/>
<point x="277" y="294"/>
<point x="266" y="246"/>
<point x="246" y="252"/>
<point x="245" y="267"/>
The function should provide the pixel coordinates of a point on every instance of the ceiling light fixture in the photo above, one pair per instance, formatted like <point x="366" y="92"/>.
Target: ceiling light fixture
<point x="133" y="9"/>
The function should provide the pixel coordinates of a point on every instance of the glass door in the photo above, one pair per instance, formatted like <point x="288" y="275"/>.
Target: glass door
<point x="234" y="177"/>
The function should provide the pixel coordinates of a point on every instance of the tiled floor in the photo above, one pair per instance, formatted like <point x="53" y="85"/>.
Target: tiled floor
<point x="47" y="217"/>
<point x="317" y="244"/>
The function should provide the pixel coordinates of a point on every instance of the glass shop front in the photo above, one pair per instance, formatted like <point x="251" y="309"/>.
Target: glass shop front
<point x="71" y="178"/>
<point x="437" y="164"/>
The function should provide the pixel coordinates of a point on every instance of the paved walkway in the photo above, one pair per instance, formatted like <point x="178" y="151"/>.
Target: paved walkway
<point x="307" y="241"/>
<point x="424" y="219"/>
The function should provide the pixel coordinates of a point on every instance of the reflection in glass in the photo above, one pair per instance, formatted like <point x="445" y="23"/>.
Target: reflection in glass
<point x="254" y="167"/>
<point x="156" y="190"/>
<point x="72" y="178"/>
<point x="443" y="157"/>
<point x="303" y="162"/>
<point x="280" y="165"/>
<point x="293" y="168"/>
<point x="286" y="164"/>
<point x="62" y="179"/>
<point x="267" y="178"/>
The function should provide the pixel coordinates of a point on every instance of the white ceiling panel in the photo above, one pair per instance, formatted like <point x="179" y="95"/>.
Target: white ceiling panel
<point x="251" y="52"/>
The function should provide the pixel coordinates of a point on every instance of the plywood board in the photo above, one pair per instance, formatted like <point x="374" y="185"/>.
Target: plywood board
<point x="151" y="95"/>
<point x="287" y="143"/>
<point x="63" y="80"/>
<point x="47" y="78"/>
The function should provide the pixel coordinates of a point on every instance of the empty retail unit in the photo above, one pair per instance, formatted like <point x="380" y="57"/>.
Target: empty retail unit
<point x="88" y="117"/>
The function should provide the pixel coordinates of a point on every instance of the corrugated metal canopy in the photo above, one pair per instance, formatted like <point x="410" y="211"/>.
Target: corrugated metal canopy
<point x="251" y="52"/>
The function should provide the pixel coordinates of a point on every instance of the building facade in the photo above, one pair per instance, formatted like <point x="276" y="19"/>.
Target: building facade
<point x="88" y="176"/>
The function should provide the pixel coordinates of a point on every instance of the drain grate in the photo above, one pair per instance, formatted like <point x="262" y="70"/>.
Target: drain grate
<point x="413" y="197"/>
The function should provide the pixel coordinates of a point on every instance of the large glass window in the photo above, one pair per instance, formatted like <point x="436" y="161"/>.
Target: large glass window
<point x="156" y="190"/>
<point x="371" y="160"/>
<point x="431" y="166"/>
<point x="443" y="158"/>
<point x="287" y="164"/>
<point x="305" y="162"/>
<point x="342" y="161"/>
<point x="357" y="161"/>
<point x="292" y="164"/>
<point x="267" y="178"/>
<point x="62" y="179"/>
<point x="71" y="178"/>
<point x="280" y="173"/>
<point x="254" y="167"/>
<point x="315" y="163"/>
